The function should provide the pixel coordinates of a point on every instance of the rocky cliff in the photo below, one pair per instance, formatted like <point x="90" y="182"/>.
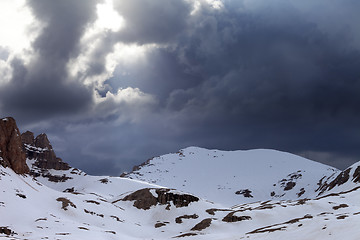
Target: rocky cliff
<point x="11" y="152"/>
<point x="16" y="148"/>
<point x="40" y="149"/>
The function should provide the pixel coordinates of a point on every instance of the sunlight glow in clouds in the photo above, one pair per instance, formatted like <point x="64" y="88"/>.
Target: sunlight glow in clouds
<point x="125" y="104"/>
<point x="217" y="4"/>
<point x="108" y="18"/>
<point x="17" y="25"/>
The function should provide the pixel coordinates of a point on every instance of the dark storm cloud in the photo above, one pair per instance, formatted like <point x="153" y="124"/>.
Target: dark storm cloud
<point x="265" y="77"/>
<point x="43" y="88"/>
<point x="65" y="22"/>
<point x="252" y="74"/>
<point x="152" y="21"/>
<point x="284" y="84"/>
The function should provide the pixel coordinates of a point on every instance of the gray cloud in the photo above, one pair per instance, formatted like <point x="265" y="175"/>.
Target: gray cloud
<point x="253" y="74"/>
<point x="153" y="21"/>
<point x="42" y="88"/>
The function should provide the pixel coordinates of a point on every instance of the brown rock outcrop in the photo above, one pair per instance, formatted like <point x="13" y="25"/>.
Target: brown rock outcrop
<point x="144" y="199"/>
<point x="202" y="225"/>
<point x="342" y="178"/>
<point x="165" y="196"/>
<point x="41" y="150"/>
<point x="231" y="218"/>
<point x="180" y="219"/>
<point x="11" y="152"/>
<point x="28" y="138"/>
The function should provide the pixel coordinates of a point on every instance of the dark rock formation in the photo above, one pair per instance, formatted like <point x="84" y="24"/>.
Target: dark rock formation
<point x="65" y="203"/>
<point x="289" y="186"/>
<point x="202" y="225"/>
<point x="41" y="150"/>
<point x="186" y="235"/>
<point x="340" y="206"/>
<point x="28" y="138"/>
<point x="212" y="211"/>
<point x="179" y="200"/>
<point x="6" y="231"/>
<point x="159" y="224"/>
<point x="179" y="219"/>
<point x="231" y="218"/>
<point x="11" y="153"/>
<point x="342" y="178"/>
<point x="144" y="199"/>
<point x="302" y="191"/>
<point x="245" y="192"/>
<point x="356" y="175"/>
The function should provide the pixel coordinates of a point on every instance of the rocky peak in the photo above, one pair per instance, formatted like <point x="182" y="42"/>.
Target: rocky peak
<point x="11" y="152"/>
<point x="40" y="149"/>
<point x="42" y="141"/>
<point x="28" y="138"/>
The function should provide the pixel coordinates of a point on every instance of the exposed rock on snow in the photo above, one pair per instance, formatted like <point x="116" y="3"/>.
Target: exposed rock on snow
<point x="202" y="225"/>
<point x="231" y="218"/>
<point x="65" y="203"/>
<point x="6" y="231"/>
<point x="345" y="180"/>
<point x="180" y="219"/>
<point x="144" y="199"/>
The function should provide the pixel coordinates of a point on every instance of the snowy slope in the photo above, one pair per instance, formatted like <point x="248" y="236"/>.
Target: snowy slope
<point x="32" y="211"/>
<point x="233" y="177"/>
<point x="76" y="181"/>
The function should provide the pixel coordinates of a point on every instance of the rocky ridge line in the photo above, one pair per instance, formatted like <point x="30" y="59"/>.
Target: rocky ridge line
<point x="40" y="149"/>
<point x="16" y="148"/>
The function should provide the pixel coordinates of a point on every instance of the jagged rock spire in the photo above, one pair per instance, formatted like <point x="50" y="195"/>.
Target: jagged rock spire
<point x="39" y="148"/>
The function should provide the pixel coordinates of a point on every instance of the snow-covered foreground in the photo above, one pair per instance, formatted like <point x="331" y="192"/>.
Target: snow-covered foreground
<point x="90" y="207"/>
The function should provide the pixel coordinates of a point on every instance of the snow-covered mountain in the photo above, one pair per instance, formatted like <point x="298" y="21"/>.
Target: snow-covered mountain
<point x="136" y="210"/>
<point x="233" y="177"/>
<point x="44" y="198"/>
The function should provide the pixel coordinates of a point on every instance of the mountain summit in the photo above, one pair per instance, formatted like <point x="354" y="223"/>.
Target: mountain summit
<point x="233" y="177"/>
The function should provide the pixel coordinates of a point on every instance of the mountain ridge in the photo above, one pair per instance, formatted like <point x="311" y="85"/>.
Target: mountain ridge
<point x="248" y="176"/>
<point x="55" y="201"/>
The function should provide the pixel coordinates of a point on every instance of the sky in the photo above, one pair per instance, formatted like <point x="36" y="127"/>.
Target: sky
<point x="116" y="82"/>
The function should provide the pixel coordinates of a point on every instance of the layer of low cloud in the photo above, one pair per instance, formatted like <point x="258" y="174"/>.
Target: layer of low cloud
<point x="217" y="74"/>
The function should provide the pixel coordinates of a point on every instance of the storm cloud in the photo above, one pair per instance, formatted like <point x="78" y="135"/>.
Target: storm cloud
<point x="42" y="88"/>
<point x="217" y="74"/>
